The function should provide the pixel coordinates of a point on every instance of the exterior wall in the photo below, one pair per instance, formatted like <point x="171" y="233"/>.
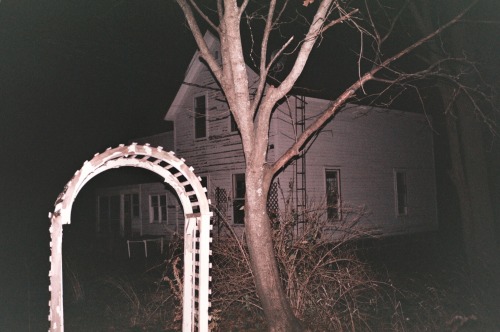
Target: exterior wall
<point x="118" y="218"/>
<point x="143" y="225"/>
<point x="175" y="217"/>
<point x="218" y="156"/>
<point x="367" y="145"/>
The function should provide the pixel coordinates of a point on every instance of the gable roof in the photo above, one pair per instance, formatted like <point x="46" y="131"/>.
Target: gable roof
<point x="194" y="68"/>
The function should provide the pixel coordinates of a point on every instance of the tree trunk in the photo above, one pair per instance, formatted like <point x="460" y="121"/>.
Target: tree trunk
<point x="470" y="176"/>
<point x="269" y="286"/>
<point x="469" y="173"/>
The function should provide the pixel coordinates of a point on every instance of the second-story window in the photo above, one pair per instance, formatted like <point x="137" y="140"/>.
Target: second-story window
<point x="200" y="117"/>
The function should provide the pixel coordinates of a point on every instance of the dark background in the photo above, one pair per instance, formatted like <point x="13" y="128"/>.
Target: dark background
<point x="77" y="77"/>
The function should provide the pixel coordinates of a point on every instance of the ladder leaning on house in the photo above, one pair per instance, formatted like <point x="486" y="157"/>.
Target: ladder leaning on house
<point x="300" y="162"/>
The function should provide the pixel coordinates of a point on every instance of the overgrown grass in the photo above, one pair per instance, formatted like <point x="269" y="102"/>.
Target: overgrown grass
<point x="408" y="284"/>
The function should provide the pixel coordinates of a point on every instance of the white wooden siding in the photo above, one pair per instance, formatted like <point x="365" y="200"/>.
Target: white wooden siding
<point x="365" y="144"/>
<point x="143" y="224"/>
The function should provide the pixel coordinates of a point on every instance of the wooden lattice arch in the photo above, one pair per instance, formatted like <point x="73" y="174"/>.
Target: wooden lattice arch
<point x="192" y="196"/>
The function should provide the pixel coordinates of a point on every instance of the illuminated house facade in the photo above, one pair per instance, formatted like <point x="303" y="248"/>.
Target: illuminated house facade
<point x="378" y="159"/>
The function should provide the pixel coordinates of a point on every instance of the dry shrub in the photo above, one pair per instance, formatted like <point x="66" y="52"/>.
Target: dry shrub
<point x="173" y="277"/>
<point x="72" y="282"/>
<point x="329" y="288"/>
<point x="438" y="300"/>
<point x="138" y="307"/>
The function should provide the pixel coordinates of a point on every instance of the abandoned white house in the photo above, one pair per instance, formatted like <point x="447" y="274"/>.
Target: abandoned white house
<point x="377" y="158"/>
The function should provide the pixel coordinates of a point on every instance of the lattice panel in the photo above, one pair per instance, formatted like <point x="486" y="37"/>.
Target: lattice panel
<point x="272" y="201"/>
<point x="221" y="206"/>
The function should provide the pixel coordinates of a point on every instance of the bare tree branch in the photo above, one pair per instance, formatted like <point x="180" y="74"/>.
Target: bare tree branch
<point x="203" y="16"/>
<point x="198" y="36"/>
<point x="294" y="150"/>
<point x="275" y="94"/>
<point x="242" y="7"/>
<point x="263" y="71"/>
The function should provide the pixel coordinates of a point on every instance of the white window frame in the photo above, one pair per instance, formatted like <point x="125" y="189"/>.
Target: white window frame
<point x="162" y="210"/>
<point x="135" y="205"/>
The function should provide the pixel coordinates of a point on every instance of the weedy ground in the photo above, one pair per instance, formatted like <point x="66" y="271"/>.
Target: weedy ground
<point x="422" y="285"/>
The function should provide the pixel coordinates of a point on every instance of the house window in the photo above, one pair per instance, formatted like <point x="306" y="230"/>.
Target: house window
<point x="109" y="214"/>
<point x="401" y="193"/>
<point x="239" y="198"/>
<point x="158" y="208"/>
<point x="200" y="117"/>
<point x="104" y="224"/>
<point x="114" y="207"/>
<point x="332" y="182"/>
<point x="131" y="205"/>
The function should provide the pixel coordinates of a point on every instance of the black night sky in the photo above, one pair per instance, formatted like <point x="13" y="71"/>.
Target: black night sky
<point x="76" y="77"/>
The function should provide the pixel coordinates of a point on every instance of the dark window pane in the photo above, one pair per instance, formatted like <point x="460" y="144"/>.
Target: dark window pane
<point x="164" y="213"/>
<point x="200" y="114"/>
<point x="239" y="185"/>
<point x="332" y="194"/>
<point x="114" y="207"/>
<point x="238" y="211"/>
<point x="135" y="205"/>
<point x="239" y="198"/>
<point x="156" y="216"/>
<point x="127" y="202"/>
<point x="401" y="192"/>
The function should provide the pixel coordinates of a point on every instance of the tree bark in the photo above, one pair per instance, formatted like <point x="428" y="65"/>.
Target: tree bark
<point x="469" y="175"/>
<point x="275" y="303"/>
<point x="252" y="114"/>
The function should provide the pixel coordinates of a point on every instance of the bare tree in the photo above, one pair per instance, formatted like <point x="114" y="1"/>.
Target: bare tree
<point x="468" y="101"/>
<point x="252" y="110"/>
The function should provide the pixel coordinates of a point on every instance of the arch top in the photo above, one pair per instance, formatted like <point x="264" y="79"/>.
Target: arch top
<point x="173" y="169"/>
<point x="193" y="198"/>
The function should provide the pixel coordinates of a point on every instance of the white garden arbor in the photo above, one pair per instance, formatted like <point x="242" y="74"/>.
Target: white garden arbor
<point x="197" y="226"/>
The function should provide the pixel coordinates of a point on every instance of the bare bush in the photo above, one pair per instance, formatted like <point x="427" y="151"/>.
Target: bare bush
<point x="328" y="286"/>
<point x="141" y="308"/>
